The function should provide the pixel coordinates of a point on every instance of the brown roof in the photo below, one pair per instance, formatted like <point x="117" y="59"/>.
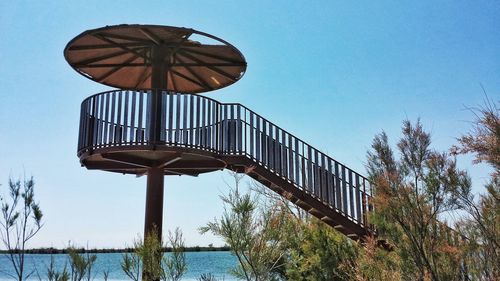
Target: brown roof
<point x="120" y="56"/>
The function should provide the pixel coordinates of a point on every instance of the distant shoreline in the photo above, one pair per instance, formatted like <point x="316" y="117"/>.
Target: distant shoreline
<point x="107" y="251"/>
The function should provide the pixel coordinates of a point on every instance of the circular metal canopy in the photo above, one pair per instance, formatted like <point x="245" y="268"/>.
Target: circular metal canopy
<point x="145" y="56"/>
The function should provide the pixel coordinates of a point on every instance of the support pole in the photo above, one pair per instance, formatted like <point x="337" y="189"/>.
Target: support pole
<point x="158" y="82"/>
<point x="154" y="202"/>
<point x="154" y="193"/>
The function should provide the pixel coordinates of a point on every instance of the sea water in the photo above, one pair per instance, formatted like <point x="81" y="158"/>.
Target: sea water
<point x="215" y="263"/>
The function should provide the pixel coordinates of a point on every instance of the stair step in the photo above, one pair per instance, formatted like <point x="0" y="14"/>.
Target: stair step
<point x="310" y="202"/>
<point x="353" y="236"/>
<point x="315" y="212"/>
<point x="302" y="204"/>
<point x="326" y="219"/>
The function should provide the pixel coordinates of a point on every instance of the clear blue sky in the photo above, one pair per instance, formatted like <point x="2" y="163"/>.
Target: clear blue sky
<point x="330" y="72"/>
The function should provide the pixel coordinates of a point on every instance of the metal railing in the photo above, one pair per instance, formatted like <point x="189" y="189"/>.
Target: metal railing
<point x="119" y="118"/>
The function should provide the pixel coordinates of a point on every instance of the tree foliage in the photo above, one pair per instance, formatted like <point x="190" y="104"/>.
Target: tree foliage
<point x="149" y="261"/>
<point x="80" y="265"/>
<point x="482" y="225"/>
<point x="320" y="253"/>
<point x="53" y="273"/>
<point x="375" y="263"/>
<point x="21" y="220"/>
<point x="412" y="191"/>
<point x="484" y="138"/>
<point x="174" y="265"/>
<point x="252" y="234"/>
<point x="416" y="189"/>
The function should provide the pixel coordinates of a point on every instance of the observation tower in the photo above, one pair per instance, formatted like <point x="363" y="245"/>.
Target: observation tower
<point x="156" y="123"/>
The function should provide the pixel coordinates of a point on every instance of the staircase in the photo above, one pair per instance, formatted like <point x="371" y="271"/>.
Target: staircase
<point x="201" y="135"/>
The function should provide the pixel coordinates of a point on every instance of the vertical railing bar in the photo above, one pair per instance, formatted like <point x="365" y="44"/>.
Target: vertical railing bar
<point x="369" y="203"/>
<point x="351" y="195"/>
<point x="214" y="126"/>
<point x="278" y="152"/>
<point x="290" y="159"/>
<point x="221" y="128"/>
<point x="207" y="124"/>
<point x="197" y="137"/>
<point x="203" y="119"/>
<point x="103" y="119"/>
<point x="210" y="122"/>
<point x="140" y="128"/>
<point x="163" y="118"/>
<point x="119" y="118"/>
<point x="337" y="187"/>
<point x="148" y="117"/>
<point x="81" y="128"/>
<point x="284" y="155"/>
<point x="358" y="203"/>
<point x="106" y="117"/>
<point x="365" y="224"/>
<point x="228" y="130"/>
<point x="316" y="172"/>
<point x="330" y="190"/>
<point x="95" y="110"/>
<point x="309" y="168"/>
<point x="246" y="144"/>
<point x="86" y="117"/>
<point x="178" y="118"/>
<point x="125" y="117"/>
<point x="191" y="120"/>
<point x="324" y="180"/>
<point x="87" y="123"/>
<point x="270" y="147"/>
<point x="203" y="123"/>
<point x="281" y="148"/>
<point x="344" y="191"/>
<point x="99" y="116"/>
<point x="208" y="129"/>
<point x="239" y="137"/>
<point x="224" y="133"/>
<point x="112" y="121"/>
<point x="297" y="163"/>
<point x="217" y="127"/>
<point x="264" y="141"/>
<point x="304" y="176"/>
<point x="98" y="120"/>
<point x="251" y="136"/>
<point x="184" y="119"/>
<point x="132" y="117"/>
<point x="94" y="118"/>
<point x="90" y="137"/>
<point x="207" y="132"/>
<point x="170" y="129"/>
<point x="225" y="121"/>
<point x="258" y="139"/>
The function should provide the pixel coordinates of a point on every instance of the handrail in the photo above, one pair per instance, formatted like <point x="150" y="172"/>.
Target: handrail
<point x="120" y="118"/>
